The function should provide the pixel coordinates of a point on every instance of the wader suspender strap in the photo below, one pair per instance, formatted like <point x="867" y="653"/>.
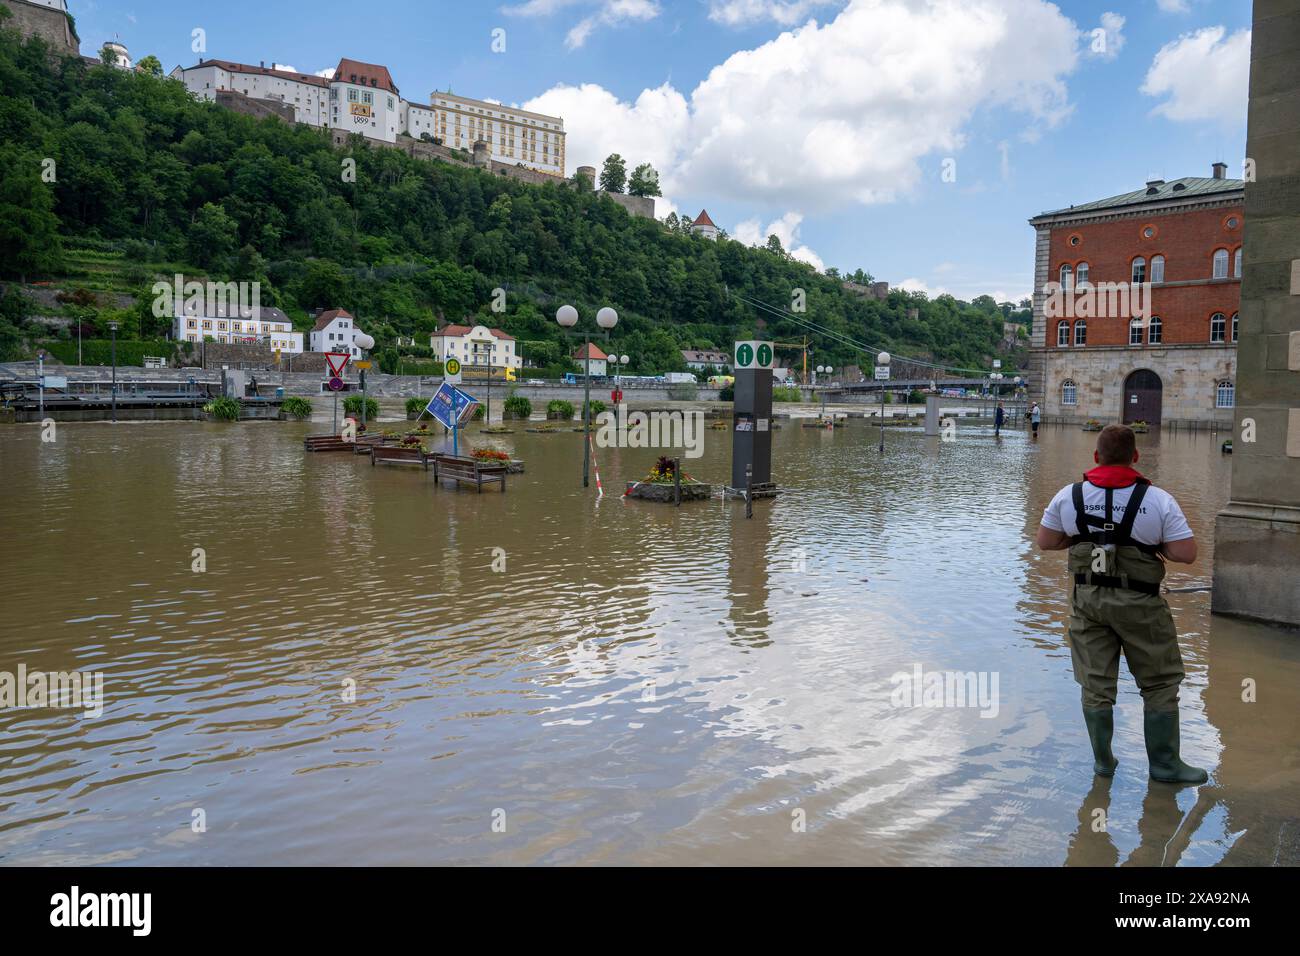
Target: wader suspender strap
<point x="1110" y="533"/>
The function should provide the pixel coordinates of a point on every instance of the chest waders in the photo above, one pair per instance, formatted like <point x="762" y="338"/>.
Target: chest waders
<point x="1116" y="606"/>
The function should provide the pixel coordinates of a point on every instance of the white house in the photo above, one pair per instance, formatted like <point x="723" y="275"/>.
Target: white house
<point x="309" y="95"/>
<point x="364" y="99"/>
<point x="268" y="326"/>
<point x="475" y="346"/>
<point x="703" y="226"/>
<point x="597" y="357"/>
<point x="335" y="331"/>
<point x="701" y="360"/>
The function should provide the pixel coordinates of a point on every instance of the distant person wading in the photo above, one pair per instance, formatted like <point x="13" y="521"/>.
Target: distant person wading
<point x="1119" y="530"/>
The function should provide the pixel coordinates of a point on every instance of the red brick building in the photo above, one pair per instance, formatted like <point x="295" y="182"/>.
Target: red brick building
<point x="1136" y="304"/>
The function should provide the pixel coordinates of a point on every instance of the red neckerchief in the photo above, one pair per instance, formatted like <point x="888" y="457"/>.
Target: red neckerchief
<point x="1114" y="476"/>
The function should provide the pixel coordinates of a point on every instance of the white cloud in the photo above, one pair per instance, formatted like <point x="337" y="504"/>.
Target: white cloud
<point x="596" y="123"/>
<point x="1202" y="76"/>
<point x="845" y="110"/>
<point x="787" y="230"/>
<point x="916" y="285"/>
<point x="284" y="66"/>
<point x="1105" y="41"/>
<point x="735" y="13"/>
<point x="1173" y="6"/>
<point x="328" y="72"/>
<point x="606" y="13"/>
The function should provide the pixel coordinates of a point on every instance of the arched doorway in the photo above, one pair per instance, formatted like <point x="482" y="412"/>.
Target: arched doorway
<point x="1142" y="396"/>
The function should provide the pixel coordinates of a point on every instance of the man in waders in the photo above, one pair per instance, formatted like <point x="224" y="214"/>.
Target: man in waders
<point x="998" y="418"/>
<point x="1035" y="417"/>
<point x="1120" y="529"/>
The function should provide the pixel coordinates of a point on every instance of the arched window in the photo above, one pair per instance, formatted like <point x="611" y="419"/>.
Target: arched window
<point x="1062" y="334"/>
<point x="1067" y="279"/>
<point x="1070" y="392"/>
<point x="1220" y="264"/>
<point x="1135" y="332"/>
<point x="1225" y="395"/>
<point x="1157" y="268"/>
<point x="1236" y="265"/>
<point x="1155" y="331"/>
<point x="1081" y="275"/>
<point x="1080" y="332"/>
<point x="1218" y="327"/>
<point x="1139" y="269"/>
<point x="1235" y="318"/>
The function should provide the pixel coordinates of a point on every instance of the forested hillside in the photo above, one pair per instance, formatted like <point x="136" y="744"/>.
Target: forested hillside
<point x="99" y="162"/>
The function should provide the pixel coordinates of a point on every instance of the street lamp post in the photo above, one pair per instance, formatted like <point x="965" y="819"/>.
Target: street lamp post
<point x="619" y="368"/>
<point x="365" y="343"/>
<point x="882" y="359"/>
<point x="606" y="318"/>
<point x="824" y="370"/>
<point x="112" y="327"/>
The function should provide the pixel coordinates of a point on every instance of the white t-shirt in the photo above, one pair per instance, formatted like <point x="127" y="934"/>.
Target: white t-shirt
<point x="1159" y="518"/>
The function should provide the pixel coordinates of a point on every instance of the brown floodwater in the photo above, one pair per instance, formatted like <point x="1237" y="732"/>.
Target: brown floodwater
<point x="641" y="684"/>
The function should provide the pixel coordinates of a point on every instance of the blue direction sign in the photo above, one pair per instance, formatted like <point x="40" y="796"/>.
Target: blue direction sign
<point x="451" y="406"/>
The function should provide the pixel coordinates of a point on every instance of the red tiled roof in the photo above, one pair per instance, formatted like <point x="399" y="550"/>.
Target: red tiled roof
<point x="703" y="219"/>
<point x="367" y="74"/>
<point x="455" y="331"/>
<point x="596" y="353"/>
<point x="233" y="67"/>
<point x="325" y="318"/>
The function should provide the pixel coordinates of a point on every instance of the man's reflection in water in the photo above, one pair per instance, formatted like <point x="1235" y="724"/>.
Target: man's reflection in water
<point x="1164" y="831"/>
<point x="1092" y="845"/>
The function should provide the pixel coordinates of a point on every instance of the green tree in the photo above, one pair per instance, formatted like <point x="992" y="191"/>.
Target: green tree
<point x="150" y="64"/>
<point x="644" y="181"/>
<point x="613" y="175"/>
<point x="29" y="229"/>
<point x="212" y="236"/>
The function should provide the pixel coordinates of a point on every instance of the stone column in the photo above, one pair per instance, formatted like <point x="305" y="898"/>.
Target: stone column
<point x="1257" y="536"/>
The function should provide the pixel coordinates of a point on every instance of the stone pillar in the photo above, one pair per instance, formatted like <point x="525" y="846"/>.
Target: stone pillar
<point x="932" y="414"/>
<point x="1257" y="535"/>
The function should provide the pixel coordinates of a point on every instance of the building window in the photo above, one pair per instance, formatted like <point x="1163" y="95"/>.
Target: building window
<point x="1218" y="327"/>
<point x="1235" y="317"/>
<point x="1067" y="277"/>
<point x="1069" y="393"/>
<point x="1139" y="270"/>
<point x="352" y="96"/>
<point x="1081" y="275"/>
<point x="1225" y="395"/>
<point x="1135" y="332"/>
<point x="1155" y="332"/>
<point x="1220" y="264"/>
<point x="1080" y="332"/>
<point x="1236" y="265"/>
<point x="1157" y="268"/>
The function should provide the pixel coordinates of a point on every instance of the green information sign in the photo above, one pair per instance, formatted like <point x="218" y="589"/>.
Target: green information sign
<point x="753" y="355"/>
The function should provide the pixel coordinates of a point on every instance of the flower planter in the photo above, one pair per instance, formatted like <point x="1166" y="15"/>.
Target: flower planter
<point x="664" y="493"/>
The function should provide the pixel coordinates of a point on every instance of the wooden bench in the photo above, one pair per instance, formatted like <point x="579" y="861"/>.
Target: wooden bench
<point x="398" y="455"/>
<point x="364" y="443"/>
<point x="326" y="443"/>
<point x="470" y="470"/>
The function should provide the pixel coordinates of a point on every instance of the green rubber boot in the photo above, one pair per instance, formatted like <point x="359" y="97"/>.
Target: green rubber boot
<point x="1161" y="729"/>
<point x="1101" y="728"/>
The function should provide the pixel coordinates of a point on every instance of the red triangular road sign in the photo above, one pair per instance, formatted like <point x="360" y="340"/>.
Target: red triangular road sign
<point x="337" y="361"/>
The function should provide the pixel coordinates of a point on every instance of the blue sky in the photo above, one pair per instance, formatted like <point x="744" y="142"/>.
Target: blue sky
<point x="910" y="138"/>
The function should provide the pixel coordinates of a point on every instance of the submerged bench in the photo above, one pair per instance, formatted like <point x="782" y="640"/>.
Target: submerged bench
<point x="470" y="470"/>
<point x="397" y="455"/>
<point x="326" y="443"/>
